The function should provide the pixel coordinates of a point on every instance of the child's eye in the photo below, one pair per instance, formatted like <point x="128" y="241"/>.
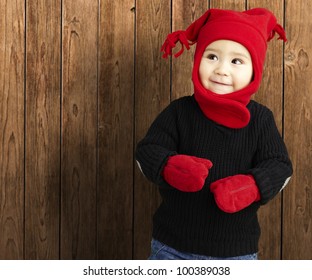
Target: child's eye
<point x="237" y="61"/>
<point x="212" y="57"/>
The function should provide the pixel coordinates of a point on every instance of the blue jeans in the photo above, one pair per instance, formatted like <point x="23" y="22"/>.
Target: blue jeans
<point x="161" y="251"/>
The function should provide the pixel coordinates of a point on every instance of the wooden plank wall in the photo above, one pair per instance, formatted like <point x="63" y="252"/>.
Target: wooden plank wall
<point x="81" y="81"/>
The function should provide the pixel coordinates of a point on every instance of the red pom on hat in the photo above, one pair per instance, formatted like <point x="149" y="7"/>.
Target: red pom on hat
<point x="253" y="29"/>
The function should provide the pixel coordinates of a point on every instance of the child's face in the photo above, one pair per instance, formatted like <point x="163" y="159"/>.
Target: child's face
<point x="225" y="67"/>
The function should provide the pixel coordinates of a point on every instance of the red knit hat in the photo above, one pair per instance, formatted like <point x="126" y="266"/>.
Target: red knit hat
<point x="253" y="29"/>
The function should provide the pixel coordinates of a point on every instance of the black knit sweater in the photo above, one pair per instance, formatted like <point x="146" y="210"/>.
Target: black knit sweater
<point x="192" y="222"/>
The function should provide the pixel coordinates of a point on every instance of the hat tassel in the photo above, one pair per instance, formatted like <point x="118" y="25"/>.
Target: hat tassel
<point x="172" y="39"/>
<point x="281" y="32"/>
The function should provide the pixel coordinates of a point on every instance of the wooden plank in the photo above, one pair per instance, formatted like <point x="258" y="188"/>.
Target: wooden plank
<point x="79" y="129"/>
<point x="297" y="199"/>
<point x="184" y="12"/>
<point x="238" y="5"/>
<point x="116" y="101"/>
<point x="42" y="190"/>
<point x="270" y="94"/>
<point x="152" y="94"/>
<point x="12" y="54"/>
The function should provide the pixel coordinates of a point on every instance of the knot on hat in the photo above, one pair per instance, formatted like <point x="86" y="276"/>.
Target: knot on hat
<point x="172" y="39"/>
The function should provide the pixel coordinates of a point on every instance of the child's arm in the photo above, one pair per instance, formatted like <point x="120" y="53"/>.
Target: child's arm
<point x="272" y="166"/>
<point x="159" y="161"/>
<point x="271" y="172"/>
<point x="160" y="142"/>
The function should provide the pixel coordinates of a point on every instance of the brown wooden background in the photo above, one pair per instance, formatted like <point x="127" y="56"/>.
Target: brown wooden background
<point x="80" y="83"/>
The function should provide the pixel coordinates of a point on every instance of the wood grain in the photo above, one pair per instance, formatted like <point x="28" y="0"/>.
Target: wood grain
<point x="297" y="199"/>
<point x="152" y="94"/>
<point x="270" y="94"/>
<point x="42" y="190"/>
<point x="238" y="5"/>
<point x="116" y="117"/>
<point x="183" y="14"/>
<point x="12" y="57"/>
<point x="79" y="129"/>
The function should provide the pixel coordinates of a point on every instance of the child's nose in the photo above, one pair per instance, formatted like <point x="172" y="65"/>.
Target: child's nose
<point x="222" y="69"/>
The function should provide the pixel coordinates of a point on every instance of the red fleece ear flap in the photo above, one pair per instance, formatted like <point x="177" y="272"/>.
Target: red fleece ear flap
<point x="185" y="37"/>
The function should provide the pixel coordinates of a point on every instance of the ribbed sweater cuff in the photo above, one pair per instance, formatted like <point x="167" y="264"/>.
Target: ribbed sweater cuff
<point x="264" y="185"/>
<point x="152" y="161"/>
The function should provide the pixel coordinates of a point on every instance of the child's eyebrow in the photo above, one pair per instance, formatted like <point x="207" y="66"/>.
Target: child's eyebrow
<point x="210" y="50"/>
<point x="240" y="54"/>
<point x="232" y="53"/>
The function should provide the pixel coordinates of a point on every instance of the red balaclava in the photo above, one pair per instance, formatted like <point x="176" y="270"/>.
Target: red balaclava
<point x="253" y="29"/>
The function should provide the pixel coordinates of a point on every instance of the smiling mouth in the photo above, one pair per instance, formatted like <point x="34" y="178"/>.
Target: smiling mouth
<point x="222" y="84"/>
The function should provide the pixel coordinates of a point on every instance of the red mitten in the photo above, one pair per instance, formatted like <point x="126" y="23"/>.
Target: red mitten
<point x="235" y="193"/>
<point x="186" y="173"/>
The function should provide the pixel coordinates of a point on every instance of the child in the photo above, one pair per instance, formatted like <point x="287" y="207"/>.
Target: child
<point x="217" y="155"/>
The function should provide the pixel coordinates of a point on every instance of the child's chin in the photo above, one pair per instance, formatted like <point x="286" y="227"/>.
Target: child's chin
<point x="221" y="92"/>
